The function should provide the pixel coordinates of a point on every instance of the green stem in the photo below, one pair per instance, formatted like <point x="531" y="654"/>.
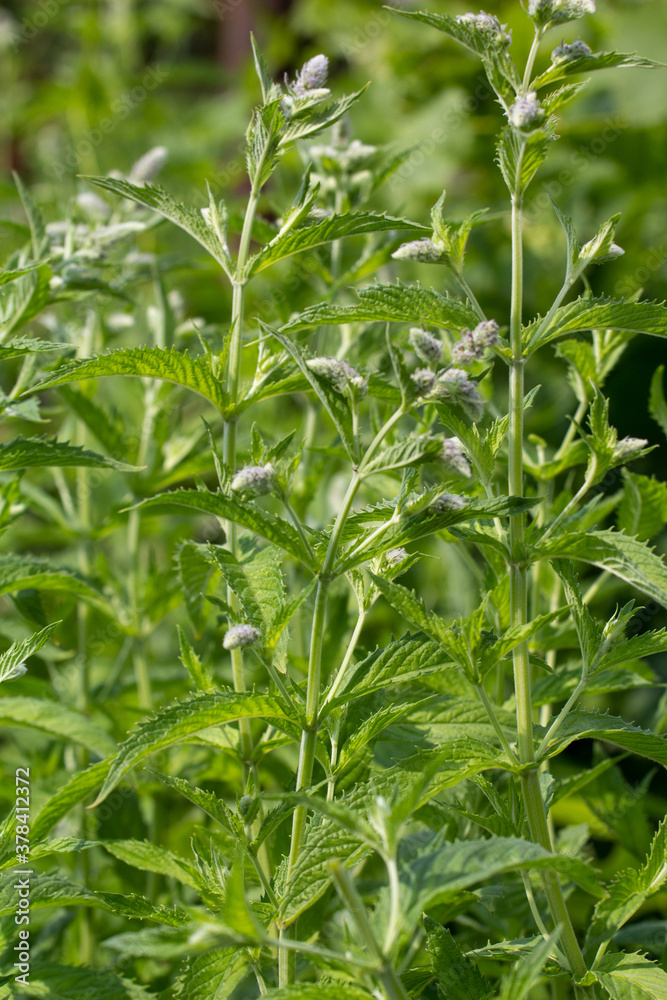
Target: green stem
<point x="532" y="796"/>
<point x="486" y="702"/>
<point x="530" y="62"/>
<point x="579" y="495"/>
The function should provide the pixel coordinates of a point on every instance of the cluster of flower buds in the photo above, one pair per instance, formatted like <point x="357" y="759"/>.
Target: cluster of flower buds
<point x="559" y="11"/>
<point x="422" y="251"/>
<point x="452" y="386"/>
<point x="446" y="502"/>
<point x="425" y="345"/>
<point x="473" y="343"/>
<point x="570" y="52"/>
<point x="493" y="31"/>
<point x="311" y="79"/>
<point x="257" y="479"/>
<point x="526" y="114"/>
<point x="341" y="375"/>
<point x="452" y="454"/>
<point x="629" y="447"/>
<point x="239" y="636"/>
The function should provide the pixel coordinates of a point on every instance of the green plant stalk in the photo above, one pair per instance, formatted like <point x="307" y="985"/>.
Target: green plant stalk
<point x="532" y="796"/>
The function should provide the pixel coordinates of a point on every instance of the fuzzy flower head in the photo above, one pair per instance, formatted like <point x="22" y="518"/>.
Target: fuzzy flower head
<point x="571" y="52"/>
<point x="452" y="455"/>
<point x="394" y="557"/>
<point x="559" y="11"/>
<point x="473" y="343"/>
<point x="239" y="636"/>
<point x="424" y="381"/>
<point x="526" y="114"/>
<point x="312" y="77"/>
<point x="488" y="25"/>
<point x="425" y="345"/>
<point x="149" y="165"/>
<point x="257" y="479"/>
<point x="446" y="502"/>
<point x="421" y="251"/>
<point x="629" y="447"/>
<point x="341" y="375"/>
<point x="454" y="386"/>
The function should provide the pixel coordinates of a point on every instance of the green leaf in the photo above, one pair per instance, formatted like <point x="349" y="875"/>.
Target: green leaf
<point x="319" y="991"/>
<point x="517" y="984"/>
<point x="397" y="303"/>
<point x="150" y="857"/>
<point x="33" y="453"/>
<point x="12" y="661"/>
<point x="643" y="508"/>
<point x="335" y="403"/>
<point x="21" y="346"/>
<point x="592" y="725"/>
<point x="79" y="787"/>
<point x="597" y="314"/>
<point x="588" y="63"/>
<point x="177" y="722"/>
<point x="245" y="513"/>
<point x="108" y="426"/>
<point x="19" y="572"/>
<point x="56" y="719"/>
<point x="466" y="33"/>
<point x="211" y="976"/>
<point x="411" y="451"/>
<point x="316" y="120"/>
<point x="200" y="675"/>
<point x="457" y="977"/>
<point x="208" y="803"/>
<point x="194" y="573"/>
<point x="657" y="402"/>
<point x="625" y="557"/>
<point x="158" y="200"/>
<point x="628" y="891"/>
<point x="520" y="157"/>
<point x="631" y="977"/>
<point x="144" y="362"/>
<point x="51" y="981"/>
<point x="334" y="228"/>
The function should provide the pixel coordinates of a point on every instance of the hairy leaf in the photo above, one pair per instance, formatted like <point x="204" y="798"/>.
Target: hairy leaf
<point x="12" y="661"/>
<point x="32" y="453"/>
<point x="597" y="314"/>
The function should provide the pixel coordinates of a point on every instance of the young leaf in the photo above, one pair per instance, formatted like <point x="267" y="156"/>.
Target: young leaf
<point x="177" y="722"/>
<point x="200" y="675"/>
<point x="144" y="362"/>
<point x="12" y="661"/>
<point x="150" y="857"/>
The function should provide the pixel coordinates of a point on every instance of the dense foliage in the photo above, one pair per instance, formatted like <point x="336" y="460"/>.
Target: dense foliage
<point x="326" y="651"/>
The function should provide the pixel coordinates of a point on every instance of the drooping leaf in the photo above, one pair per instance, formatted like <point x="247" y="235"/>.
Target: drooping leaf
<point x="177" y="722"/>
<point x="144" y="362"/>
<point x="597" y="314"/>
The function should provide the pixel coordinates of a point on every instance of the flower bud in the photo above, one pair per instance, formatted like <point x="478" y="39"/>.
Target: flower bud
<point x="559" y="11"/>
<point x="149" y="165"/>
<point x="425" y="345"/>
<point x="341" y="375"/>
<point x="488" y="25"/>
<point x="455" y="386"/>
<point x="526" y="113"/>
<point x="452" y="454"/>
<point x="628" y="447"/>
<point x="395" y="556"/>
<point x="94" y="206"/>
<point x="239" y="636"/>
<point x="447" y="501"/>
<point x="422" y="251"/>
<point x="424" y="381"/>
<point x="257" y="479"/>
<point x="312" y="76"/>
<point x="246" y="803"/>
<point x="570" y="52"/>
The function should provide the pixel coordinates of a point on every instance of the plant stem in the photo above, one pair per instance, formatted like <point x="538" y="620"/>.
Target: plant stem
<point x="532" y="796"/>
<point x="486" y="702"/>
<point x="530" y="62"/>
<point x="579" y="495"/>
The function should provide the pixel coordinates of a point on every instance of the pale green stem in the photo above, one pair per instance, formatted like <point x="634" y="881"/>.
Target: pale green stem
<point x="572" y="429"/>
<point x="579" y="495"/>
<point x="486" y="702"/>
<point x="472" y="298"/>
<point x="561" y="717"/>
<point x="532" y="796"/>
<point x="532" y="55"/>
<point x="395" y="905"/>
<point x="384" y="970"/>
<point x="294" y="518"/>
<point x="537" y="917"/>
<point x="349" y="652"/>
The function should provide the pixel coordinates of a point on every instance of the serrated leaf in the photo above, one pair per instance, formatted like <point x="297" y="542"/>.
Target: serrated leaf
<point x="587" y="63"/>
<point x="20" y="572"/>
<point x="597" y="314"/>
<point x="51" y="981"/>
<point x="334" y="228"/>
<point x="457" y="977"/>
<point x="245" y="513"/>
<point x="625" y="557"/>
<point x="581" y="724"/>
<point x="79" y="787"/>
<point x="518" y="982"/>
<point x="107" y="425"/>
<point x="158" y="200"/>
<point x="34" y="453"/>
<point x="55" y="719"/>
<point x="21" y="346"/>
<point x="627" y="892"/>
<point x="12" y="661"/>
<point x="397" y="303"/>
<point x="194" y="573"/>
<point x="144" y="362"/>
<point x="631" y="977"/>
<point x="643" y="508"/>
<point x="208" y="802"/>
<point x="212" y="975"/>
<point x="411" y="451"/>
<point x="177" y="722"/>
<point x="200" y="675"/>
<point x="521" y="157"/>
<point x="319" y="991"/>
<point x="149" y="857"/>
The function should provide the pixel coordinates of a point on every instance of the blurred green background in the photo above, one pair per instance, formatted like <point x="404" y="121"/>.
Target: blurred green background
<point x="176" y="73"/>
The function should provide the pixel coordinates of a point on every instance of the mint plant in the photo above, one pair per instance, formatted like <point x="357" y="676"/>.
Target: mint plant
<point x="326" y="818"/>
